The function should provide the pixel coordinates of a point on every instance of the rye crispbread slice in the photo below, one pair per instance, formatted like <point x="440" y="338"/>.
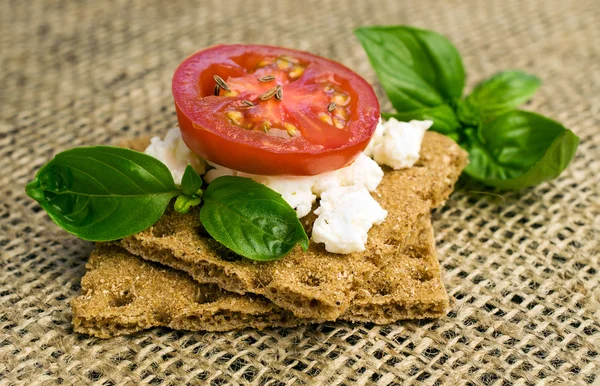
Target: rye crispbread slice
<point x="408" y="195"/>
<point x="122" y="294"/>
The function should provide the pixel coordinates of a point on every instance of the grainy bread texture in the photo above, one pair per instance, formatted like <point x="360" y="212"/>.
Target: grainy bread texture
<point x="122" y="294"/>
<point x="408" y="286"/>
<point x="408" y="195"/>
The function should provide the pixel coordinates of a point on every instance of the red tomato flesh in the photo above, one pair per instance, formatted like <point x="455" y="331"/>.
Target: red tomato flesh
<point x="277" y="111"/>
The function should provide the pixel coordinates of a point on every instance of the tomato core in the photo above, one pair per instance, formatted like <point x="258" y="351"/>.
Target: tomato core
<point x="273" y="111"/>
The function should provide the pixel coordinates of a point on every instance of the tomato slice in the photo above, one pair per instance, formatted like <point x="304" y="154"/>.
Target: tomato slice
<point x="272" y="110"/>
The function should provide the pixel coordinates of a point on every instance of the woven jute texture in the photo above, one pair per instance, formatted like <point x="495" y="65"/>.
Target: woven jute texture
<point x="521" y="267"/>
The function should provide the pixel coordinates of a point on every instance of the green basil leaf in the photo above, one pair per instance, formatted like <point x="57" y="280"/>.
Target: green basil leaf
<point x="519" y="149"/>
<point x="502" y="92"/>
<point x="191" y="182"/>
<point x="184" y="202"/>
<point x="443" y="117"/>
<point x="103" y="193"/>
<point x="417" y="68"/>
<point x="468" y="115"/>
<point x="250" y="219"/>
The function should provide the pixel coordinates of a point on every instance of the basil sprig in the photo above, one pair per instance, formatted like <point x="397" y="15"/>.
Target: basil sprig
<point x="106" y="193"/>
<point x="423" y="75"/>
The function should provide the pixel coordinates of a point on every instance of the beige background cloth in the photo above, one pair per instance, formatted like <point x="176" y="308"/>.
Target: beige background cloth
<point x="522" y="267"/>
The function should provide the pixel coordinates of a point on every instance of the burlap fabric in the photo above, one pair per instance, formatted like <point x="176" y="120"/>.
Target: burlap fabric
<point x="522" y="267"/>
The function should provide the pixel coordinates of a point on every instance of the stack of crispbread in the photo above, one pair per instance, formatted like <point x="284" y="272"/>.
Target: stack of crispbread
<point x="175" y="275"/>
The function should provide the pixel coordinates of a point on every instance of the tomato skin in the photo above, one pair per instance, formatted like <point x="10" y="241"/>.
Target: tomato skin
<point x="214" y="138"/>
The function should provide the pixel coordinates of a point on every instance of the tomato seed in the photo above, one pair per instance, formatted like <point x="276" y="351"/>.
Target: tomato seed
<point x="247" y="103"/>
<point x="217" y="90"/>
<point x="331" y="106"/>
<point x="341" y="99"/>
<point x="326" y="118"/>
<point x="268" y="94"/>
<point x="296" y="72"/>
<point x="263" y="63"/>
<point x="264" y="126"/>
<point x="279" y="93"/>
<point x="339" y="123"/>
<point x="291" y="129"/>
<point x="283" y="64"/>
<point x="340" y="113"/>
<point x="235" y="117"/>
<point x="221" y="82"/>
<point x="266" y="78"/>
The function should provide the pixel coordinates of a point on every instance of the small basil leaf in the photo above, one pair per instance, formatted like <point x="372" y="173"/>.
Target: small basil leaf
<point x="250" y="219"/>
<point x="184" y="202"/>
<point x="502" y="92"/>
<point x="468" y="114"/>
<point x="417" y="68"/>
<point x="191" y="181"/>
<point x="519" y="149"/>
<point x="443" y="117"/>
<point x="103" y="193"/>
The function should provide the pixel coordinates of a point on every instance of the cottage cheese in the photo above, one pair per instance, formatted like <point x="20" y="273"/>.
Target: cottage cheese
<point x="347" y="211"/>
<point x="397" y="144"/>
<point x="362" y="172"/>
<point x="344" y="218"/>
<point x="174" y="153"/>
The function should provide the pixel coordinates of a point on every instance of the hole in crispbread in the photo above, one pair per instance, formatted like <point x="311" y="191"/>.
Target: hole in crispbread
<point x="207" y="294"/>
<point x="163" y="229"/>
<point x="392" y="241"/>
<point x="312" y="281"/>
<point x="421" y="275"/>
<point x="257" y="283"/>
<point x="417" y="252"/>
<point x="123" y="299"/>
<point x="384" y="290"/>
<point x="314" y="303"/>
<point x="162" y="315"/>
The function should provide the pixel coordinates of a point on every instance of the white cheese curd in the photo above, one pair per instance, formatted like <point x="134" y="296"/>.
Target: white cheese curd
<point x="362" y="172"/>
<point x="174" y="153"/>
<point x="344" y="218"/>
<point x="397" y="144"/>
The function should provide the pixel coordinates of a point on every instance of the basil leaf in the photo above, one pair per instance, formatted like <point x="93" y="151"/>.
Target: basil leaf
<point x="250" y="219"/>
<point x="190" y="181"/>
<point x="103" y="193"/>
<point x="468" y="115"/>
<point x="417" y="68"/>
<point x="443" y="117"/>
<point x="504" y="91"/>
<point x="519" y="149"/>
